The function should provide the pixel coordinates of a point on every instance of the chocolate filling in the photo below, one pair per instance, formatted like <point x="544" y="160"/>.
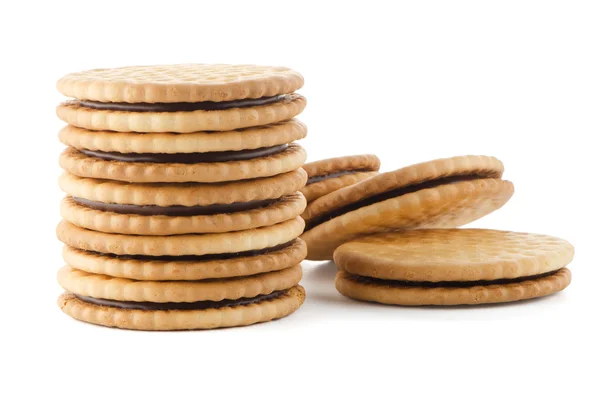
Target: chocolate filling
<point x="447" y="284"/>
<point x="385" y="196"/>
<point x="180" y="106"/>
<point x="201" y="305"/>
<point x="203" y="258"/>
<point x="319" y="178"/>
<point x="173" y="210"/>
<point x="187" y="158"/>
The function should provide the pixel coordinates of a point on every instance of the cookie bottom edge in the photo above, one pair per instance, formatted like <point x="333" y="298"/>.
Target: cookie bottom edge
<point x="452" y="296"/>
<point x="174" y="320"/>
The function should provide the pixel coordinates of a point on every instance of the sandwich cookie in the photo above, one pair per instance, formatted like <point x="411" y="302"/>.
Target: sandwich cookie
<point x="208" y="167"/>
<point x="329" y="175"/>
<point x="443" y="193"/>
<point x="174" y="305"/>
<point x="180" y="98"/>
<point x="179" y="245"/>
<point x="452" y="267"/>
<point x="168" y="209"/>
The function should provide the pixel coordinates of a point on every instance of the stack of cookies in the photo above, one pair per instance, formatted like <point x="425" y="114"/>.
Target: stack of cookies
<point x="183" y="202"/>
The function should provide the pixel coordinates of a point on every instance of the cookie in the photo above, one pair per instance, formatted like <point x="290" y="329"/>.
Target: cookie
<point x="180" y="83"/>
<point x="443" y="193"/>
<point x="452" y="267"/>
<point x="180" y="98"/>
<point x="183" y="194"/>
<point x="185" y="244"/>
<point x="245" y="312"/>
<point x="326" y="176"/>
<point x="163" y="221"/>
<point x="94" y="165"/>
<point x="196" y="142"/>
<point x="100" y="286"/>
<point x="190" y="267"/>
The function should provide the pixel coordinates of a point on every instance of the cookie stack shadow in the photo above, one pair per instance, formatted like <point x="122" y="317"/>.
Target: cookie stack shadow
<point x="183" y="196"/>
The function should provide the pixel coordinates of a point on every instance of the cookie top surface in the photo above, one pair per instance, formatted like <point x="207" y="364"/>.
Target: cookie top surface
<point x="467" y="166"/>
<point x="180" y="83"/>
<point x="362" y="162"/>
<point x="453" y="255"/>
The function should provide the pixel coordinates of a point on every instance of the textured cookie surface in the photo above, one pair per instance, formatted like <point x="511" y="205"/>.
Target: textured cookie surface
<point x="185" y="244"/>
<point x="122" y="289"/>
<point x="362" y="162"/>
<point x="368" y="290"/>
<point x="445" y="206"/>
<point x="195" y="142"/>
<point x="453" y="255"/>
<point x="181" y="122"/>
<point x="480" y="166"/>
<point x="187" y="194"/>
<point x="326" y="186"/>
<point x="180" y="83"/>
<point x="174" y="268"/>
<point x="285" y="208"/>
<point x="77" y="163"/>
<point x="163" y="320"/>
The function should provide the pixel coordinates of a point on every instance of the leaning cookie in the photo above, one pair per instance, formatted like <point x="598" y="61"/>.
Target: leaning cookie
<point x="329" y="175"/>
<point x="452" y="267"/>
<point x="442" y="193"/>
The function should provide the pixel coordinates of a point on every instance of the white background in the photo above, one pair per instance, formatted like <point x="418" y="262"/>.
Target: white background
<point x="420" y="80"/>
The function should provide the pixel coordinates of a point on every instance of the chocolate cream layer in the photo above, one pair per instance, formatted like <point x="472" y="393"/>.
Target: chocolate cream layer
<point x="319" y="178"/>
<point x="311" y="223"/>
<point x="180" y="106"/>
<point x="173" y="210"/>
<point x="188" y="158"/>
<point x="447" y="284"/>
<point x="202" y="258"/>
<point x="201" y="305"/>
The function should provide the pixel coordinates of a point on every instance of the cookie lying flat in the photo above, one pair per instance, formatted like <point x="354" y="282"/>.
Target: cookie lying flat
<point x="180" y="98"/>
<point x="160" y="268"/>
<point x="185" y="244"/>
<point x="185" y="316"/>
<point x="196" y="142"/>
<point x="326" y="176"/>
<point x="442" y="193"/>
<point x="198" y="167"/>
<point x="182" y="194"/>
<point x="171" y="220"/>
<point x="452" y="267"/>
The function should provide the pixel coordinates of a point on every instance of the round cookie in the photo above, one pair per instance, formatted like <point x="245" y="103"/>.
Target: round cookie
<point x="184" y="194"/>
<point x="162" y="320"/>
<point x="185" y="244"/>
<point x="329" y="175"/>
<point x="452" y="267"/>
<point x="84" y="165"/>
<point x="164" y="221"/>
<point x="197" y="142"/>
<point x="187" y="268"/>
<point x="121" y="289"/>
<point x="180" y="83"/>
<point x="370" y="290"/>
<point x="443" y="193"/>
<point x="287" y="107"/>
<point x="434" y="255"/>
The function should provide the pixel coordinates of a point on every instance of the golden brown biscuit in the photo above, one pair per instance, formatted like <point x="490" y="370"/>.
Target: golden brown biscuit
<point x="184" y="244"/>
<point x="443" y="193"/>
<point x="85" y="165"/>
<point x="164" y="221"/>
<point x="162" y="320"/>
<point x="187" y="268"/>
<point x="328" y="175"/>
